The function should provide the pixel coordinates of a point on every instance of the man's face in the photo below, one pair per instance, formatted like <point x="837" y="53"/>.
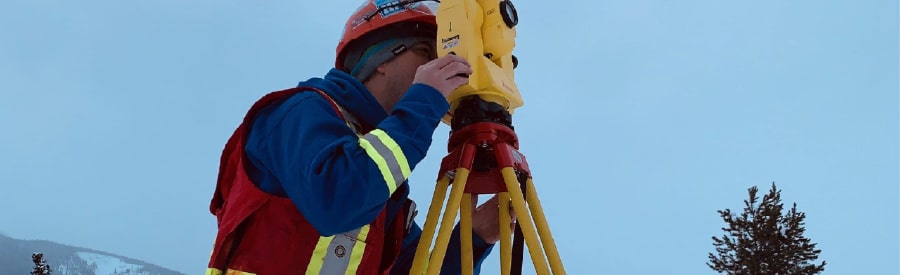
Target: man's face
<point x="401" y="70"/>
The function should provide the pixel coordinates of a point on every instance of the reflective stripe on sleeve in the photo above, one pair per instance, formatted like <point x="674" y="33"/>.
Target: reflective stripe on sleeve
<point x="339" y="254"/>
<point x="387" y="154"/>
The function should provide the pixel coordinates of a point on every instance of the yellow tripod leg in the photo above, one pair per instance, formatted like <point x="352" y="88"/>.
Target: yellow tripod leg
<point x="434" y="211"/>
<point x="524" y="220"/>
<point x="465" y="234"/>
<point x="443" y="238"/>
<point x="543" y="228"/>
<point x="505" y="235"/>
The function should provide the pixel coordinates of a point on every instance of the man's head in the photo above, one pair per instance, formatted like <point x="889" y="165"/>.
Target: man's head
<point x="383" y="22"/>
<point x="384" y="42"/>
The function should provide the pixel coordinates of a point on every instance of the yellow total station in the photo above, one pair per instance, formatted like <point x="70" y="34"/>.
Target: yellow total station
<point x="483" y="32"/>
<point x="484" y="147"/>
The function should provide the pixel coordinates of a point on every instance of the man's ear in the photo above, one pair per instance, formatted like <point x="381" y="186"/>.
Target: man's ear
<point x="377" y="74"/>
<point x="382" y="69"/>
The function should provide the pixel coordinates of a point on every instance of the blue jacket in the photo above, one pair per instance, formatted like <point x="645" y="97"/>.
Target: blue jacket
<point x="300" y="143"/>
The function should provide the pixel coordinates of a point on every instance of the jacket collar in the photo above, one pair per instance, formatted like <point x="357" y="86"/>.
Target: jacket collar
<point x="351" y="94"/>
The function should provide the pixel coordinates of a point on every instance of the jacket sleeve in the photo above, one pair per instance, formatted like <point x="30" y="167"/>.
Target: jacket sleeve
<point x="327" y="170"/>
<point x="452" y="259"/>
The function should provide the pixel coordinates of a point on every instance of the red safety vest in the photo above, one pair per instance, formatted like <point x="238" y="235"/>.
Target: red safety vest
<point x="260" y="233"/>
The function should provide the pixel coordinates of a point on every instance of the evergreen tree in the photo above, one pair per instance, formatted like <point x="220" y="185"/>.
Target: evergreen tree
<point x="40" y="266"/>
<point x="763" y="241"/>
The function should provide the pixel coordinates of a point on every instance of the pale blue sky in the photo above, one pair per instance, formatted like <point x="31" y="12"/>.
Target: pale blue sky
<point x="641" y="119"/>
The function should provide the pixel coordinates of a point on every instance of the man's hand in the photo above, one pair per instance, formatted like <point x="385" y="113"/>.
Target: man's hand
<point x="445" y="74"/>
<point x="486" y="219"/>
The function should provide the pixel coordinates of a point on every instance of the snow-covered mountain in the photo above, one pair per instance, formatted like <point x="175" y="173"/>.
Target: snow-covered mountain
<point x="15" y="259"/>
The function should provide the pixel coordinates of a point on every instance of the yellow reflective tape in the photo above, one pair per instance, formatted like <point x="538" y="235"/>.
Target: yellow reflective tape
<point x="318" y="256"/>
<point x="395" y="148"/>
<point x="382" y="164"/>
<point x="216" y="271"/>
<point x="359" y="248"/>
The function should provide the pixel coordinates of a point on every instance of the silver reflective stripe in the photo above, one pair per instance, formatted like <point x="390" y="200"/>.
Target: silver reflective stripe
<point x="337" y="258"/>
<point x="388" y="155"/>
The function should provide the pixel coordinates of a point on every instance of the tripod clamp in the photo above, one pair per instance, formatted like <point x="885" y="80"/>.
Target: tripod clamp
<point x="488" y="127"/>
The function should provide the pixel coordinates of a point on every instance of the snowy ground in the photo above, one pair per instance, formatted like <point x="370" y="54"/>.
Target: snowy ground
<point x="108" y="265"/>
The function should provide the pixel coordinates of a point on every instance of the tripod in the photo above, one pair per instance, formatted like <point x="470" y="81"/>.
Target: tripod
<point x="484" y="148"/>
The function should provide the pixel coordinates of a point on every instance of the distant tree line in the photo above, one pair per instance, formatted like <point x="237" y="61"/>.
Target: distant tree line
<point x="761" y="240"/>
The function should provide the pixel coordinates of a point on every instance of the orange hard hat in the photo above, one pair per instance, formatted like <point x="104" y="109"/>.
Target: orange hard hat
<point x="386" y="18"/>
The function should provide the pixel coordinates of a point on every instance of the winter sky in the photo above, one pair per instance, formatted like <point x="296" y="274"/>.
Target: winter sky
<point x="641" y="119"/>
